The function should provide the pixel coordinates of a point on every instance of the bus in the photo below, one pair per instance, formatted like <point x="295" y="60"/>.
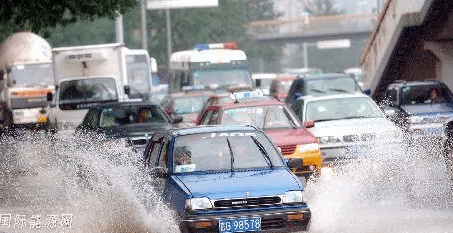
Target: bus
<point x="215" y="66"/>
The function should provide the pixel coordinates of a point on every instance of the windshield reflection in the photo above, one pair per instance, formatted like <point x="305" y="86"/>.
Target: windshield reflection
<point x="342" y="108"/>
<point x="222" y="78"/>
<point x="224" y="151"/>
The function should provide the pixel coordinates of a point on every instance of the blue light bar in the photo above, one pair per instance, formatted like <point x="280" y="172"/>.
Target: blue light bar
<point x="201" y="46"/>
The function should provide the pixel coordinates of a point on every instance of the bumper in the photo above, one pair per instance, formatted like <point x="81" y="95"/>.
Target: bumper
<point x="271" y="221"/>
<point x="427" y="131"/>
<point x="333" y="156"/>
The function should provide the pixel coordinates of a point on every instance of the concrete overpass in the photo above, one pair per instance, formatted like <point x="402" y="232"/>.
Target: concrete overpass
<point x="412" y="40"/>
<point x="312" y="29"/>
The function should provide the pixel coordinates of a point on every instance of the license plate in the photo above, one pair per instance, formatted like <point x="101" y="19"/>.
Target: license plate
<point x="240" y="224"/>
<point x="433" y="131"/>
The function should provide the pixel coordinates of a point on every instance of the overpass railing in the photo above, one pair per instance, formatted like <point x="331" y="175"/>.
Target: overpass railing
<point x="334" y="24"/>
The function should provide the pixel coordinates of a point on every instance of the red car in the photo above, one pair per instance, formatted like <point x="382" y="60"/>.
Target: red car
<point x="222" y="98"/>
<point x="278" y="121"/>
<point x="187" y="104"/>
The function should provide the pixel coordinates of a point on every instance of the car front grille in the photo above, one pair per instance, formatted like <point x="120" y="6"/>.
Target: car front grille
<point x="288" y="149"/>
<point x="247" y="202"/>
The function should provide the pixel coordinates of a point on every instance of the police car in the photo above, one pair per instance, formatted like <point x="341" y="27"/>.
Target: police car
<point x="226" y="179"/>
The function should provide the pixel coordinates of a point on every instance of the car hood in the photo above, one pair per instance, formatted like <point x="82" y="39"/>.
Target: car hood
<point x="290" y="136"/>
<point x="380" y="127"/>
<point x="422" y="109"/>
<point x="238" y="184"/>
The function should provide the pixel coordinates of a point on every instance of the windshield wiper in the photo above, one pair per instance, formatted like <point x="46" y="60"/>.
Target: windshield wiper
<point x="231" y="154"/>
<point x="338" y="90"/>
<point x="316" y="90"/>
<point x="263" y="152"/>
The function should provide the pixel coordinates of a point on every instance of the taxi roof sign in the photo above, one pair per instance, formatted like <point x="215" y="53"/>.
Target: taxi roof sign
<point x="246" y="94"/>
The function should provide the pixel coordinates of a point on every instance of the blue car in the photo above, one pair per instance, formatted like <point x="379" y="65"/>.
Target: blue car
<point x="226" y="179"/>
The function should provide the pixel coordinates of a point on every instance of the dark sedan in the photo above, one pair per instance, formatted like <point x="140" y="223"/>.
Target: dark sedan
<point x="134" y="121"/>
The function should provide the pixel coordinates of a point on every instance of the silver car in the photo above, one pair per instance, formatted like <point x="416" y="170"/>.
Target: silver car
<point x="346" y="125"/>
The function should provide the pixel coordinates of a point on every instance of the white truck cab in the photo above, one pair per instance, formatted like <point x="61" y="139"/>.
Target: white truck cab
<point x="85" y="76"/>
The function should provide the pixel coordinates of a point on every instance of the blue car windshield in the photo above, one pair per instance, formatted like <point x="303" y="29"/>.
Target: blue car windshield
<point x="235" y="150"/>
<point x="332" y="85"/>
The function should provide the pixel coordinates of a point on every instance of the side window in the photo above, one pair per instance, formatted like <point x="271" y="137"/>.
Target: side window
<point x="163" y="153"/>
<point x="214" y="119"/>
<point x="206" y="117"/>
<point x="90" y="118"/>
<point x="206" y="104"/>
<point x="184" y="79"/>
<point x="152" y="153"/>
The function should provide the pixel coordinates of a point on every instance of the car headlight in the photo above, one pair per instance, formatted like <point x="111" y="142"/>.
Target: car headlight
<point x="293" y="197"/>
<point x="416" y="119"/>
<point x="198" y="204"/>
<point x="308" y="147"/>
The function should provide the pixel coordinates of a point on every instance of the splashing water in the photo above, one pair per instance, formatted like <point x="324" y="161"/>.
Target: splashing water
<point x="92" y="184"/>
<point x="407" y="189"/>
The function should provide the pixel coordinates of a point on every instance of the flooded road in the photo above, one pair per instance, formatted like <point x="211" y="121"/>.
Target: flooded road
<point x="77" y="184"/>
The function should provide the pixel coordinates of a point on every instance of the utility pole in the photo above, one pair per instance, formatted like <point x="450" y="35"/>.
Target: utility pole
<point x="119" y="32"/>
<point x="169" y="48"/>
<point x="144" y="36"/>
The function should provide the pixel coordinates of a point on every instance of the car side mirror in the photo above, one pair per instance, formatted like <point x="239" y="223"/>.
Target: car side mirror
<point x="177" y="119"/>
<point x="367" y="91"/>
<point x="309" y="124"/>
<point x="49" y="96"/>
<point x="297" y="95"/>
<point x="127" y="90"/>
<point x="295" y="163"/>
<point x="159" y="172"/>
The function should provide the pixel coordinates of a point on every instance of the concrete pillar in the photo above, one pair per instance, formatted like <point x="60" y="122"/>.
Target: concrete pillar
<point x="444" y="51"/>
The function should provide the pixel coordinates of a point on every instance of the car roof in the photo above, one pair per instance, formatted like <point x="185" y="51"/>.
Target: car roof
<point x="401" y="83"/>
<point x="250" y="102"/>
<point x="125" y="103"/>
<point x="333" y="96"/>
<point x="191" y="93"/>
<point x="323" y="76"/>
<point x="211" y="129"/>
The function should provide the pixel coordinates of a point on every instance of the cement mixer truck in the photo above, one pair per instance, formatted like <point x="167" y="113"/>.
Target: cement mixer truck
<point x="26" y="76"/>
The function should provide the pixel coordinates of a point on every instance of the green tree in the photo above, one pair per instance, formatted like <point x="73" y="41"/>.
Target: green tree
<point x="321" y="7"/>
<point x="39" y="16"/>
